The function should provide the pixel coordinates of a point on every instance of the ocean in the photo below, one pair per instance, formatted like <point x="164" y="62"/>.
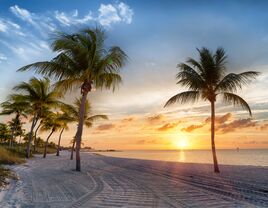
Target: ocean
<point x="255" y="157"/>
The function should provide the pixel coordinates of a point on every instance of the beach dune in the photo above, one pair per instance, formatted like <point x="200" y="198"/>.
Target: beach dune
<point x="117" y="182"/>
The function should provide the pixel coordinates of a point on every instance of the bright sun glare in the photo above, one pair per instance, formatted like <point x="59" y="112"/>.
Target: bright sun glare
<point x="182" y="143"/>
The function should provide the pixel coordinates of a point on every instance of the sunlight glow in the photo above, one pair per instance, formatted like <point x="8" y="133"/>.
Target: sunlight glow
<point x="182" y="142"/>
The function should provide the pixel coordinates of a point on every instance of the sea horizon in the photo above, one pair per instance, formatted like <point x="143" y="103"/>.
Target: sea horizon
<point x="254" y="157"/>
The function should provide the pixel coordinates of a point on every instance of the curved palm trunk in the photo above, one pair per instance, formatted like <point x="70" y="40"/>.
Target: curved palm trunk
<point x="80" y="129"/>
<point x="45" y="151"/>
<point x="58" y="148"/>
<point x="215" y="161"/>
<point x="72" y="151"/>
<point x="28" y="150"/>
<point x="35" y="133"/>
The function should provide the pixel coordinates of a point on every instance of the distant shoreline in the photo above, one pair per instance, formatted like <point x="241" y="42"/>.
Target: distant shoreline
<point x="244" y="157"/>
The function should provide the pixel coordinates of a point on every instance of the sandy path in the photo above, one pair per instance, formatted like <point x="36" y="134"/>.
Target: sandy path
<point x="115" y="182"/>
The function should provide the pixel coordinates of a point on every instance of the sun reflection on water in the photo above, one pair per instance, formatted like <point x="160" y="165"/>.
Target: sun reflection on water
<point x="182" y="156"/>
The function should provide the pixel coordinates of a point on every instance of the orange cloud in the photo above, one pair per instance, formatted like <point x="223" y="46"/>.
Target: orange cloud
<point x="264" y="127"/>
<point x="155" y="118"/>
<point x="144" y="141"/>
<point x="168" y="126"/>
<point x="221" y="119"/>
<point x="105" y="127"/>
<point x="192" y="128"/>
<point x="235" y="125"/>
<point x="128" y="119"/>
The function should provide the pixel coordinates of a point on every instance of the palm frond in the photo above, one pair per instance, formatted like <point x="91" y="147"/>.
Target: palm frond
<point x="220" y="58"/>
<point x="232" y="82"/>
<point x="188" y="77"/>
<point x="96" y="118"/>
<point x="236" y="101"/>
<point x="108" y="80"/>
<point x="184" y="97"/>
<point x="195" y="64"/>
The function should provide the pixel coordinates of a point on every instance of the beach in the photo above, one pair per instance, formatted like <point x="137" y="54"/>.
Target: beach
<point x="119" y="182"/>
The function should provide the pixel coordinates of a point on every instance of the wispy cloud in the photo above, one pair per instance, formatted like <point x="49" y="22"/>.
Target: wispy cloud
<point x="22" y="14"/>
<point x="2" y="57"/>
<point x="68" y="19"/>
<point x="105" y="127"/>
<point x="107" y="15"/>
<point x="9" y="27"/>
<point x="168" y="126"/>
<point x="192" y="128"/>
<point x="155" y="118"/>
<point x="40" y="22"/>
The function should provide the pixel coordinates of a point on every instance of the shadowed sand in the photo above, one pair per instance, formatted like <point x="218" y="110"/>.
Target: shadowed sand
<point x="116" y="182"/>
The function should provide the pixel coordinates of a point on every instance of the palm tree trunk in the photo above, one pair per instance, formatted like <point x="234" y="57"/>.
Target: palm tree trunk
<point x="35" y="133"/>
<point x="45" y="150"/>
<point x="28" y="151"/>
<point x="215" y="161"/>
<point x="58" y="149"/>
<point x="11" y="138"/>
<point x="80" y="129"/>
<point x="72" y="151"/>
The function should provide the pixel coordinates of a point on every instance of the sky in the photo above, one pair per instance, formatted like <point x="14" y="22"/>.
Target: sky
<point x="156" y="36"/>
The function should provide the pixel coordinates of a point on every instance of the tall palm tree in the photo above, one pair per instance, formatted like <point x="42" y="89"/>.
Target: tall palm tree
<point x="52" y="123"/>
<point x="83" y="61"/>
<point x="206" y="79"/>
<point x="73" y="112"/>
<point x="14" y="106"/>
<point x="39" y="95"/>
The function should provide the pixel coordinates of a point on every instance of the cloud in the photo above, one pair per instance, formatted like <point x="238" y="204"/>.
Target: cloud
<point x="192" y="127"/>
<point x="109" y="14"/>
<point x="264" y="127"/>
<point x="155" y="118"/>
<point x="128" y="119"/>
<point x="168" y="126"/>
<point x="145" y="141"/>
<point x="40" y="22"/>
<point x="220" y="119"/>
<point x="105" y="127"/>
<point x="2" y="57"/>
<point x="125" y="12"/>
<point x="22" y="14"/>
<point x="68" y="19"/>
<point x="256" y="142"/>
<point x="235" y="125"/>
<point x="7" y="26"/>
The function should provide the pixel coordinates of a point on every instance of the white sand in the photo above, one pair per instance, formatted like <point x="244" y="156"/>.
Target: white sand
<point x="115" y="182"/>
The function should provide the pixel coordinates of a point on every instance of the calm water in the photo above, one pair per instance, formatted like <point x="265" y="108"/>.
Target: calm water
<point x="229" y="157"/>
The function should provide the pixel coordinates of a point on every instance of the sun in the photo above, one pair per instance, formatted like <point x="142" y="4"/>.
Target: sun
<point x="182" y="142"/>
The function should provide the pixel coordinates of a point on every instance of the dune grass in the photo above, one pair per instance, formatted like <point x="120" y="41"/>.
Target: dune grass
<point x="10" y="156"/>
<point x="50" y="150"/>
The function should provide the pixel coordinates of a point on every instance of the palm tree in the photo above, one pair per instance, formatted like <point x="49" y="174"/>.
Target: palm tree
<point x="4" y="133"/>
<point x="63" y="119"/>
<point x="39" y="95"/>
<point x="206" y="79"/>
<point x="43" y="114"/>
<point x="73" y="113"/>
<point x="83" y="61"/>
<point x="17" y="107"/>
<point x="50" y="123"/>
